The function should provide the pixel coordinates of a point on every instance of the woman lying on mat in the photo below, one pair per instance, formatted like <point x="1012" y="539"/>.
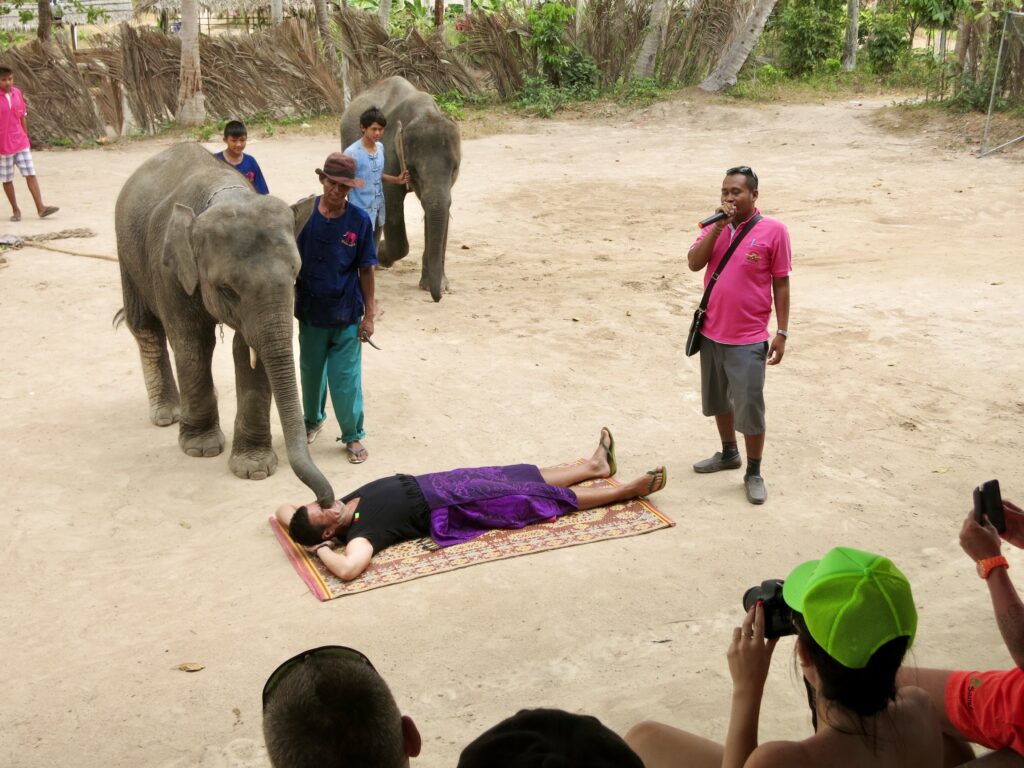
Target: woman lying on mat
<point x="455" y="506"/>
<point x="854" y="618"/>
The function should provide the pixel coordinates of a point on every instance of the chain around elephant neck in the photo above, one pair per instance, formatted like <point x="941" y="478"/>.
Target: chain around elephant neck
<point x="209" y="200"/>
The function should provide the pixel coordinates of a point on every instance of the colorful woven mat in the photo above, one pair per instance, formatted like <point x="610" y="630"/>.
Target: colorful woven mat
<point x="421" y="557"/>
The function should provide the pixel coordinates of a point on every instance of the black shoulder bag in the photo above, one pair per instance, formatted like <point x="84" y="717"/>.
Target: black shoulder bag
<point x="693" y="337"/>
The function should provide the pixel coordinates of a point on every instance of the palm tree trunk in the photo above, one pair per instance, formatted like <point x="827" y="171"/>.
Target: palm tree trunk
<point x="336" y="64"/>
<point x="43" y="33"/>
<point x="384" y="12"/>
<point x="191" y="102"/>
<point x="276" y="12"/>
<point x="744" y="40"/>
<point x="852" y="33"/>
<point x="648" y="57"/>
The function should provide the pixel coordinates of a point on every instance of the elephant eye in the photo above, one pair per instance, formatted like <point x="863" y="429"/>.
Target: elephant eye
<point x="228" y="293"/>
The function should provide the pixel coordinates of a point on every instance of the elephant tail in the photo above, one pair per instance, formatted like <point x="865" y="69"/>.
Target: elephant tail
<point x="118" y="318"/>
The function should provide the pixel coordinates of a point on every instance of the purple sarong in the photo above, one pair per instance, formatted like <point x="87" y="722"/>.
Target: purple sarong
<point x="467" y="502"/>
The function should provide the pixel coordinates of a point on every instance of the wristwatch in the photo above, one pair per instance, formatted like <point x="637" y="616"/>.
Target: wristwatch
<point x="989" y="564"/>
<point x="782" y="333"/>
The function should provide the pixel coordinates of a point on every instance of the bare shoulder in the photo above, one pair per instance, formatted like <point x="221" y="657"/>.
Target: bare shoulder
<point x="780" y="754"/>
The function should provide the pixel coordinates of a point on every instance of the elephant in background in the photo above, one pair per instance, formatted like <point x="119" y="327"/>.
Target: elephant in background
<point x="433" y="152"/>
<point x="198" y="246"/>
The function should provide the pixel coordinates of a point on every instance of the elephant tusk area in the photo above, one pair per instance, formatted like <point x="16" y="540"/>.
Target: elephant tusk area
<point x="252" y="358"/>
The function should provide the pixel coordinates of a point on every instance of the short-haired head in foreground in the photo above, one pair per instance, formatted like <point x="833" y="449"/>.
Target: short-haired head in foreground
<point x="5" y="71"/>
<point x="328" y="708"/>
<point x="551" y="738"/>
<point x="235" y="128"/>
<point x="302" y="530"/>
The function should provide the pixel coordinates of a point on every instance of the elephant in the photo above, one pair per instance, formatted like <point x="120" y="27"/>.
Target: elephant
<point x="198" y="246"/>
<point x="432" y="154"/>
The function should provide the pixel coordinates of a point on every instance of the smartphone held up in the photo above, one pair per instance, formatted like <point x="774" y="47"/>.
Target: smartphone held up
<point x="988" y="504"/>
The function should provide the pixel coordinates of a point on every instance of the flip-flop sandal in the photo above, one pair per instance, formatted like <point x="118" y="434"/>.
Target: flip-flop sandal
<point x="48" y="211"/>
<point x="654" y="479"/>
<point x="609" y="451"/>
<point x="16" y="217"/>
<point x="357" y="455"/>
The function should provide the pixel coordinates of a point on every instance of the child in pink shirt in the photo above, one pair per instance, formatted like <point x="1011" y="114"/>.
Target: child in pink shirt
<point x="15" y="147"/>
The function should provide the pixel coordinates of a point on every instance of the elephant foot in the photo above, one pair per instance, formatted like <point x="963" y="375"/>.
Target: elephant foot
<point x="253" y="462"/>
<point x="164" y="415"/>
<point x="201" y="444"/>
<point x="425" y="285"/>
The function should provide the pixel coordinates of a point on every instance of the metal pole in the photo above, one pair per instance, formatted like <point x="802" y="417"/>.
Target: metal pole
<point x="995" y="82"/>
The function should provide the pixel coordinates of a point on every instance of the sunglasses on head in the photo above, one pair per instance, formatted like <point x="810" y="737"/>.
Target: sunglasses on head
<point x="746" y="170"/>
<point x="287" y="667"/>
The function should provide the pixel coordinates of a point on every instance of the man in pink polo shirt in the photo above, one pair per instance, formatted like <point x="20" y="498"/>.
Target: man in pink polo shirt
<point x="15" y="148"/>
<point x="735" y="344"/>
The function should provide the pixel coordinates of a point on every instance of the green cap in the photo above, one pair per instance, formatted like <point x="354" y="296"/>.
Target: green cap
<point x="852" y="603"/>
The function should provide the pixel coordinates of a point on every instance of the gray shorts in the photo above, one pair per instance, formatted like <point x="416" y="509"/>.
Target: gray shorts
<point x="732" y="379"/>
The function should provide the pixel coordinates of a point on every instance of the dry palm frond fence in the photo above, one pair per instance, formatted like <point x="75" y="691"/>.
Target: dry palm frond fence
<point x="698" y="33"/>
<point x="425" y="61"/>
<point x="495" y="44"/>
<point x="130" y="80"/>
<point x="60" y="105"/>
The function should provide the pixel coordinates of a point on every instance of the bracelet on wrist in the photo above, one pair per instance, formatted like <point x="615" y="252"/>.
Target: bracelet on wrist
<point x="782" y="333"/>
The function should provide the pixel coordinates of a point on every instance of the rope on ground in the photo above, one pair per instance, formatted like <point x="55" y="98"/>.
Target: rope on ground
<point x="36" y="241"/>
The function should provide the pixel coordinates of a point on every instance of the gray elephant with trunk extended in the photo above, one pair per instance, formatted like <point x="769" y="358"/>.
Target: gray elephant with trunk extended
<point x="433" y="152"/>
<point x="197" y="247"/>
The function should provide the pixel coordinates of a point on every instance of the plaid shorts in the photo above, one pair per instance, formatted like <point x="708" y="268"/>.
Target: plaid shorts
<point x="24" y="162"/>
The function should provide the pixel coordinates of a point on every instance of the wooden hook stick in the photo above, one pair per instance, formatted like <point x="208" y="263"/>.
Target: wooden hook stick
<point x="400" y="143"/>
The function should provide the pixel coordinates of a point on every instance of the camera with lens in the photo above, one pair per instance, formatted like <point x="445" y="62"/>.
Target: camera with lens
<point x="778" y="617"/>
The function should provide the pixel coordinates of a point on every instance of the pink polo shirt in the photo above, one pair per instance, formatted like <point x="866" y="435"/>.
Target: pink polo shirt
<point x="13" y="138"/>
<point x="741" y="302"/>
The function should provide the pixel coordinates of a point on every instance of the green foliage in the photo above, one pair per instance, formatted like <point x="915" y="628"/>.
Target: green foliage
<point x="409" y="14"/>
<point x="769" y="75"/>
<point x="451" y="104"/>
<point x="580" y="76"/>
<point x="887" y="42"/>
<point x="26" y="10"/>
<point x="938" y="14"/>
<point x="642" y="90"/>
<point x="539" y="97"/>
<point x="548" y="26"/>
<point x="810" y="33"/>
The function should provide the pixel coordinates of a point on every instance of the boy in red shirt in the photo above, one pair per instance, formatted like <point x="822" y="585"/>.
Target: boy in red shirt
<point x="15" y="147"/>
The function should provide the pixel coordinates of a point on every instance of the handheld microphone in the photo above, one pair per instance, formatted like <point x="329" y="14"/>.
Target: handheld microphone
<point x="712" y="219"/>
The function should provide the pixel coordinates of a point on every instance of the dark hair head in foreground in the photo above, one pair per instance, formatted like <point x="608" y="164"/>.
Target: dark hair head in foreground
<point x="548" y="738"/>
<point x="327" y="708"/>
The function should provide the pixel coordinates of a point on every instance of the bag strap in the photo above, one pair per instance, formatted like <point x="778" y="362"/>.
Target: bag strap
<point x="725" y="260"/>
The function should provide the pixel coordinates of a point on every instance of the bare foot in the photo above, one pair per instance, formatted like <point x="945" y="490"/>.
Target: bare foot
<point x="602" y="463"/>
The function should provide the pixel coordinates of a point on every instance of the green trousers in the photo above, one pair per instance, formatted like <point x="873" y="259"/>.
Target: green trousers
<point x="332" y="358"/>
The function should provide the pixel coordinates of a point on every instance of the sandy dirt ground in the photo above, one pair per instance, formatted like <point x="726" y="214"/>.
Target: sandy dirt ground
<point x="900" y="390"/>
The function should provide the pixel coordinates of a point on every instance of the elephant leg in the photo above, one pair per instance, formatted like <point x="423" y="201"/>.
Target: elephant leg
<point x="424" y="273"/>
<point x="395" y="244"/>
<point x="164" y="403"/>
<point x="251" y="454"/>
<point x="199" y="429"/>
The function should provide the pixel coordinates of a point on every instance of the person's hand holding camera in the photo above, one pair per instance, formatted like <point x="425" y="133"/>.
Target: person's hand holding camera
<point x="1014" y="517"/>
<point x="980" y="541"/>
<point x="750" y="654"/>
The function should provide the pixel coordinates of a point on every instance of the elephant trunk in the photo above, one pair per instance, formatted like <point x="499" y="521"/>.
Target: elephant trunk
<point x="274" y="348"/>
<point x="435" y="209"/>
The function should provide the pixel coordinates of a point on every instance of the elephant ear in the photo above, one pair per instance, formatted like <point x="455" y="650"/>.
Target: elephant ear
<point x="302" y="210"/>
<point x="178" y="254"/>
